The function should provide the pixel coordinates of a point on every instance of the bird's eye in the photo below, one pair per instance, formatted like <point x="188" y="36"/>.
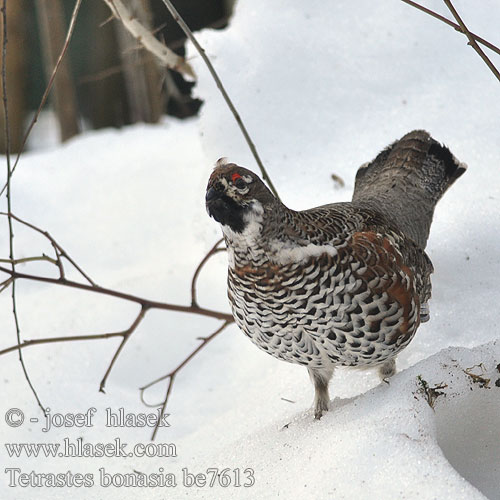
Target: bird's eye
<point x="238" y="181"/>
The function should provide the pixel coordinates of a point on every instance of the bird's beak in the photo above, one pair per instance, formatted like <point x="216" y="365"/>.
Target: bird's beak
<point x="224" y="209"/>
<point x="214" y="203"/>
<point x="211" y="195"/>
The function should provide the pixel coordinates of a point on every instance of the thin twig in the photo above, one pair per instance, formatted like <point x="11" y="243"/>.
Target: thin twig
<point x="112" y="70"/>
<point x="5" y="284"/>
<point x="9" y="201"/>
<point x="107" y="21"/>
<point x="204" y="340"/>
<point x="472" y="41"/>
<point x="126" y="336"/>
<point x="145" y="303"/>
<point x="171" y="376"/>
<point x="60" y="252"/>
<point x="59" y="262"/>
<point x="25" y="260"/>
<point x="49" y="85"/>
<point x="214" y="250"/>
<point x="180" y="21"/>
<point x="53" y="340"/>
<point x="452" y="24"/>
<point x="150" y="304"/>
<point x="164" y="406"/>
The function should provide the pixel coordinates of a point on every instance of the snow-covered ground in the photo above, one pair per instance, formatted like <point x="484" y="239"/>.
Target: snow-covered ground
<point x="322" y="89"/>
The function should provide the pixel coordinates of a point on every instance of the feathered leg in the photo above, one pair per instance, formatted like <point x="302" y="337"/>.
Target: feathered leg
<point x="320" y="379"/>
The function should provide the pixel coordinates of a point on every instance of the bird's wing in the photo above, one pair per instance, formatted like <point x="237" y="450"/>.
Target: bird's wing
<point x="342" y="225"/>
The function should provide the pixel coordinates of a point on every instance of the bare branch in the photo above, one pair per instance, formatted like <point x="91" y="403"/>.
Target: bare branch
<point x="171" y="376"/>
<point x="214" y="250"/>
<point x="472" y="41"/>
<point x="126" y="335"/>
<point x="146" y="39"/>
<point x="150" y="304"/>
<point x="49" y="86"/>
<point x="452" y="24"/>
<point x="60" y="252"/>
<point x="92" y="287"/>
<point x="53" y="340"/>
<point x="164" y="405"/>
<point x="25" y="260"/>
<point x="5" y="284"/>
<point x="180" y="21"/>
<point x="9" y="202"/>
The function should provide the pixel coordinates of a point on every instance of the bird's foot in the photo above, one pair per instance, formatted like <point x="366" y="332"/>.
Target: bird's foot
<point x="387" y="370"/>
<point x="320" y="379"/>
<point x="320" y="407"/>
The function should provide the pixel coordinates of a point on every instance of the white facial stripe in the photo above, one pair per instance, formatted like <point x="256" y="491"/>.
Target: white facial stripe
<point x="253" y="225"/>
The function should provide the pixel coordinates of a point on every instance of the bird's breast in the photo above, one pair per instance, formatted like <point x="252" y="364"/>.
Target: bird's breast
<point x="357" y="305"/>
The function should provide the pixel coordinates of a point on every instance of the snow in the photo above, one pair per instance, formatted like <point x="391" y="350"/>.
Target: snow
<point x="322" y="90"/>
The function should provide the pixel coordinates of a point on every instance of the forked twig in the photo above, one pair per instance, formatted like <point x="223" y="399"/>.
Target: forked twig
<point x="472" y="41"/>
<point x="126" y="336"/>
<point x="171" y="375"/>
<point x="145" y="304"/>
<point x="482" y="41"/>
<point x="54" y="340"/>
<point x="59" y="250"/>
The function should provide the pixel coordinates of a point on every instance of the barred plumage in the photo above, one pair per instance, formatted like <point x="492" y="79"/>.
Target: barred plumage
<point x="342" y="284"/>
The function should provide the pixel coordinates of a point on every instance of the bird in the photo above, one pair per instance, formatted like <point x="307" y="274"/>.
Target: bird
<point x="343" y="284"/>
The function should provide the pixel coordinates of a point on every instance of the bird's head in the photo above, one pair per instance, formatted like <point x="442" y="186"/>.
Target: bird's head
<point x="236" y="197"/>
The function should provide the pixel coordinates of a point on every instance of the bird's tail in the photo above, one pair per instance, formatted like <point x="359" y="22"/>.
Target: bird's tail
<point x="406" y="180"/>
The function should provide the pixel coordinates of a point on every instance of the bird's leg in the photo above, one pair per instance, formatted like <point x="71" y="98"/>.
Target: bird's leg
<point x="320" y="378"/>
<point x="387" y="370"/>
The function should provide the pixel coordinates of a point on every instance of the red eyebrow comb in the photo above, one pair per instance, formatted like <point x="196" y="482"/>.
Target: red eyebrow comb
<point x="235" y="176"/>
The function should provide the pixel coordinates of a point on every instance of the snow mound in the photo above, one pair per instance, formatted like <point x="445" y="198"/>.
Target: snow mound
<point x="431" y="433"/>
<point x="468" y="430"/>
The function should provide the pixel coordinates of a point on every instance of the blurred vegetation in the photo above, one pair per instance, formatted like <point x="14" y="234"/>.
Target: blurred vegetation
<point x="106" y="80"/>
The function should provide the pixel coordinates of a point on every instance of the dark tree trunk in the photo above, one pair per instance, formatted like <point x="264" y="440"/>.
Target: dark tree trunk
<point x="53" y="33"/>
<point x="143" y="76"/>
<point x="16" y="72"/>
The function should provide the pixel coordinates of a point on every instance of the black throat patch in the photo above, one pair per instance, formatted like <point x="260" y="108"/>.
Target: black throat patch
<point x="227" y="212"/>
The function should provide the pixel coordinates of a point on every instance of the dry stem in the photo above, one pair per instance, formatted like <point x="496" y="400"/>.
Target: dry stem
<point x="91" y="286"/>
<point x="171" y="375"/>
<point x="9" y="204"/>
<point x="180" y="21"/>
<point x="472" y="41"/>
<point x="145" y="38"/>
<point x="215" y="249"/>
<point x="482" y="41"/>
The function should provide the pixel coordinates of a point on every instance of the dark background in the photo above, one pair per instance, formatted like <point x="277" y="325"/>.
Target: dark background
<point x="106" y="79"/>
